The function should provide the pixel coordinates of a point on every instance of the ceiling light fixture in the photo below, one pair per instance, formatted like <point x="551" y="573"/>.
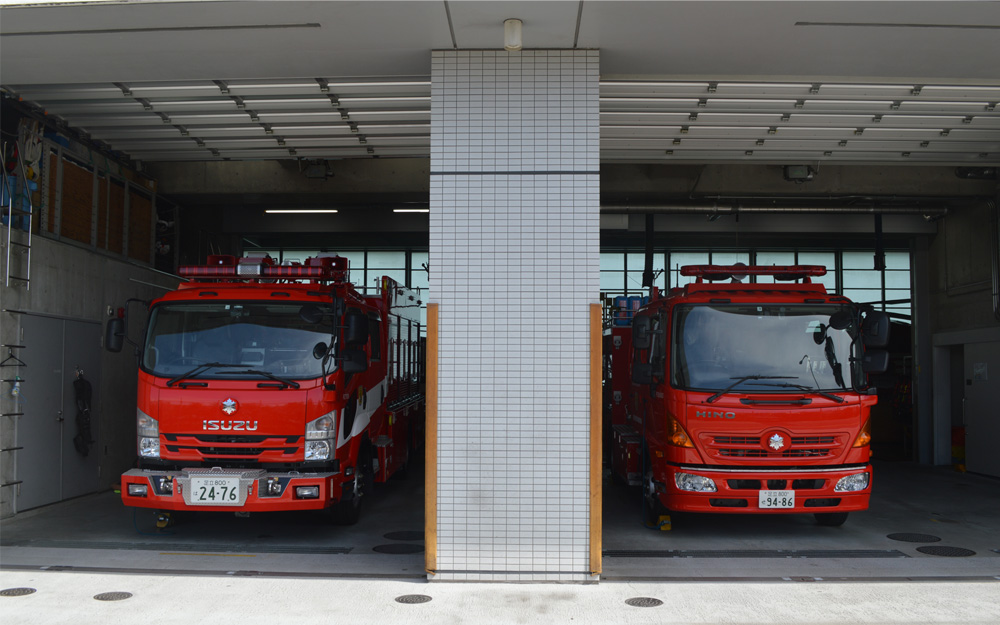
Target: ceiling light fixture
<point x="411" y="210"/>
<point x="512" y="35"/>
<point x="273" y="211"/>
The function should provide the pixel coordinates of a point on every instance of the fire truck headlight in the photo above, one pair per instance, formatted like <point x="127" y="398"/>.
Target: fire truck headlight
<point x="317" y="450"/>
<point x="852" y="483"/>
<point x="321" y="428"/>
<point x="149" y="447"/>
<point x="696" y="483"/>
<point x="146" y="425"/>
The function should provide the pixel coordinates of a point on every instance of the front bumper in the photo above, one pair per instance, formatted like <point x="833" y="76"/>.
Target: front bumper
<point x="171" y="490"/>
<point x="738" y="490"/>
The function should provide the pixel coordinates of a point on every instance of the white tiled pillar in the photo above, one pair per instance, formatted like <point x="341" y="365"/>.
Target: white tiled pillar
<point x="514" y="259"/>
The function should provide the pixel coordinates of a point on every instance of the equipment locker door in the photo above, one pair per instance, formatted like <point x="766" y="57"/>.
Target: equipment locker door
<point x="49" y="466"/>
<point x="982" y="419"/>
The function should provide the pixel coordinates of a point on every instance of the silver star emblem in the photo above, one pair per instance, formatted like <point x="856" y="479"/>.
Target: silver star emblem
<point x="776" y="442"/>
<point x="229" y="406"/>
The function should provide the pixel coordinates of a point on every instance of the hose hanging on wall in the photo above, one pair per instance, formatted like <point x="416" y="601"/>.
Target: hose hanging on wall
<point x="83" y="392"/>
<point x="995" y="245"/>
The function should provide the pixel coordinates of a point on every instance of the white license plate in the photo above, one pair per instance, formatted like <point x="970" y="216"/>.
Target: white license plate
<point x="776" y="499"/>
<point x="215" y="491"/>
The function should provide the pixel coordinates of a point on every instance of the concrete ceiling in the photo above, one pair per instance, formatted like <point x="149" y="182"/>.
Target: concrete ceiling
<point x="888" y="82"/>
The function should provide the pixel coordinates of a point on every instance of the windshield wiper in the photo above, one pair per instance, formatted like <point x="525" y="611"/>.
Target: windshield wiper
<point x="266" y="374"/>
<point x="744" y="378"/>
<point x="198" y="370"/>
<point x="803" y="387"/>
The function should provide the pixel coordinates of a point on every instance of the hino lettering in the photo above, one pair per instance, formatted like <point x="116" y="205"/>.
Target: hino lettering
<point x="715" y="415"/>
<point x="226" y="426"/>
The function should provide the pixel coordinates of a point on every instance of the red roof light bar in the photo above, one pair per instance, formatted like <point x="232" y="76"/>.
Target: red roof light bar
<point x="780" y="272"/>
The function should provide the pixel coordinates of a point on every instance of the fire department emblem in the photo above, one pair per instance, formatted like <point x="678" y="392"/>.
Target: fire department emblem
<point x="230" y="406"/>
<point x="776" y="442"/>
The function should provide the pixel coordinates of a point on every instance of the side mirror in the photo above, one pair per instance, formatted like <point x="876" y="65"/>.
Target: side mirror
<point x="642" y="332"/>
<point x="356" y="332"/>
<point x="310" y="313"/>
<point x="320" y="350"/>
<point x="841" y="320"/>
<point x="875" y="361"/>
<point x="355" y="361"/>
<point x="875" y="329"/>
<point x="642" y="373"/>
<point x="114" y="335"/>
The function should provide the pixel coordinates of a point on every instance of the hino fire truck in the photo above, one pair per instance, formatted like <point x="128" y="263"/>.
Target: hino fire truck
<point x="737" y="397"/>
<point x="266" y="387"/>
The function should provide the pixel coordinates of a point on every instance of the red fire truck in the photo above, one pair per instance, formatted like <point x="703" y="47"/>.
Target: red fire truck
<point x="267" y="387"/>
<point x="746" y="397"/>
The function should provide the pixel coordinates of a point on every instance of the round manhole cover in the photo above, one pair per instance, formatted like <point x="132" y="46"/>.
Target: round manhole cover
<point x="16" y="592"/>
<point x="914" y="538"/>
<point x="644" y="602"/>
<point x="408" y="536"/>
<point x="112" y="596"/>
<point x="399" y="548"/>
<point x="947" y="552"/>
<point x="413" y="599"/>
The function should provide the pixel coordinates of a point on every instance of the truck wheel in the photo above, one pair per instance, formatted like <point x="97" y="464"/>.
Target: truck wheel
<point x="831" y="519"/>
<point x="652" y="509"/>
<point x="348" y="509"/>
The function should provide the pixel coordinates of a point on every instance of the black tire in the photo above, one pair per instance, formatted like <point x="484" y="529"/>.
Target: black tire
<point x="831" y="519"/>
<point x="348" y="510"/>
<point x="652" y="509"/>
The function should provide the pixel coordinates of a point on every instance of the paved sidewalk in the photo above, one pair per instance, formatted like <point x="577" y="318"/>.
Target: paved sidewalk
<point x="64" y="597"/>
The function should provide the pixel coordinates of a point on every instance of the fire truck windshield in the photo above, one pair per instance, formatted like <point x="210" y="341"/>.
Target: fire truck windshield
<point x="772" y="347"/>
<point x="267" y="336"/>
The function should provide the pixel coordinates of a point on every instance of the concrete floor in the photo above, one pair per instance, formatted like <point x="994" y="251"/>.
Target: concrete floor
<point x="708" y="568"/>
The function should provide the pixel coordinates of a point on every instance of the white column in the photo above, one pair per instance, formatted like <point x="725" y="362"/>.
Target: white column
<point x="514" y="259"/>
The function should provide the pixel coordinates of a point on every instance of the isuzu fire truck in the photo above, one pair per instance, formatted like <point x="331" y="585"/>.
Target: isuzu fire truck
<point x="746" y="398"/>
<point x="267" y="387"/>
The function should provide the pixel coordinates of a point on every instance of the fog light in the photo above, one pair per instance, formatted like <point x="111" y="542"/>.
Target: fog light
<point x="696" y="483"/>
<point x="852" y="483"/>
<point x="137" y="490"/>
<point x="307" y="492"/>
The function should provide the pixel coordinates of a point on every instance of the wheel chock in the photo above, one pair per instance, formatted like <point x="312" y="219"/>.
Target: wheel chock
<point x="663" y="524"/>
<point x="164" y="520"/>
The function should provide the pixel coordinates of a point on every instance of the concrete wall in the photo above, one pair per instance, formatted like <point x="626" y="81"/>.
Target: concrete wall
<point x="73" y="282"/>
<point x="961" y="271"/>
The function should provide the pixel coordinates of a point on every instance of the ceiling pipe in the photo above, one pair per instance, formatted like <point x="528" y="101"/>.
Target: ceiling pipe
<point x="934" y="212"/>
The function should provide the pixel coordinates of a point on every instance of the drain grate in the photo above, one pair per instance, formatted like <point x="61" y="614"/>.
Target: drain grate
<point x="412" y="599"/>
<point x="178" y="547"/>
<point x="399" y="548"/>
<point x="946" y="552"/>
<point x="758" y="553"/>
<point x="16" y="592"/>
<point x="914" y="538"/>
<point x="408" y="536"/>
<point x="113" y="596"/>
<point x="643" y="602"/>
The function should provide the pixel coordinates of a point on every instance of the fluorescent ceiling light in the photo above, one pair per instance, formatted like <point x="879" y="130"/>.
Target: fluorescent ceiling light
<point x="301" y="210"/>
<point x="411" y="210"/>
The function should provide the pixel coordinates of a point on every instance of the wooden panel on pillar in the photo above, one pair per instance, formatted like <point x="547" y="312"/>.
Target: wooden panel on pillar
<point x="77" y="203"/>
<point x="140" y="221"/>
